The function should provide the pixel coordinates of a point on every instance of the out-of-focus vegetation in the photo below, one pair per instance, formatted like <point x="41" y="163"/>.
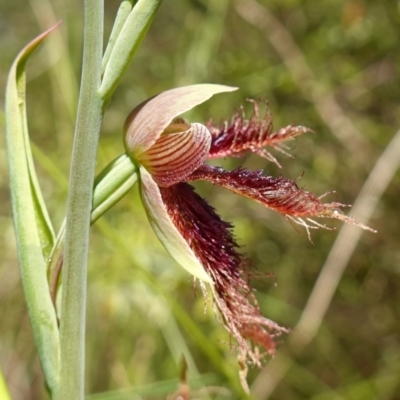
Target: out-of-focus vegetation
<point x="341" y="79"/>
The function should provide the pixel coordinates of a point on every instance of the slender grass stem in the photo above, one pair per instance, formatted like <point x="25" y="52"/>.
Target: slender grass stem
<point x="73" y="306"/>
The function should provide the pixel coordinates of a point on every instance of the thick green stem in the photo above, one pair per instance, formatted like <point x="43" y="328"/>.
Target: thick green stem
<point x="73" y="306"/>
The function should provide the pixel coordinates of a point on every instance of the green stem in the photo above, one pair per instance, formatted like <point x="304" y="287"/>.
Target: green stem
<point x="73" y="306"/>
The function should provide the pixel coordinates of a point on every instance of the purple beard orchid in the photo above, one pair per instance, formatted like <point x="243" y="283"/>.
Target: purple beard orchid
<point x="170" y="152"/>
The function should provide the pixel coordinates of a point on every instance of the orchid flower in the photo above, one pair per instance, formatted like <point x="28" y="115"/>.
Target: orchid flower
<point x="169" y="153"/>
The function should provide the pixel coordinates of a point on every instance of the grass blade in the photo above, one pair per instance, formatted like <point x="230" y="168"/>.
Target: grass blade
<point x="32" y="227"/>
<point x="129" y="39"/>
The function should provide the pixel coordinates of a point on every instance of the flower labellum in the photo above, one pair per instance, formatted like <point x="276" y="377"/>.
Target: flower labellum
<point x="169" y="153"/>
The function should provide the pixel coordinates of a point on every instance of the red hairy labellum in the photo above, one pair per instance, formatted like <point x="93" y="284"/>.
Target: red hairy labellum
<point x="213" y="244"/>
<point x="241" y="135"/>
<point x="279" y="194"/>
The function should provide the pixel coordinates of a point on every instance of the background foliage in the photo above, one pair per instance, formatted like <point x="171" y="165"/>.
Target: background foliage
<point x="142" y="312"/>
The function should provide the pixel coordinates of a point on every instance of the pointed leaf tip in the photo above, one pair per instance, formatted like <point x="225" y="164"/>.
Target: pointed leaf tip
<point x="33" y="44"/>
<point x="148" y="120"/>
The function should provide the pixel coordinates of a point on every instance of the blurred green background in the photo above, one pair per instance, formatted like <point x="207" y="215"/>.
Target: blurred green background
<point x="331" y="66"/>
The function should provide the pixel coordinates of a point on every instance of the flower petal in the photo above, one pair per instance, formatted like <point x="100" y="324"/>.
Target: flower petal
<point x="166" y="231"/>
<point x="211" y="240"/>
<point x="146" y="122"/>
<point x="279" y="194"/>
<point x="173" y="157"/>
<point x="242" y="135"/>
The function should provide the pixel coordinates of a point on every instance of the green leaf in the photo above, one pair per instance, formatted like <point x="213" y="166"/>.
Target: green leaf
<point x="43" y="222"/>
<point x="123" y="12"/>
<point x="129" y="39"/>
<point x="32" y="226"/>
